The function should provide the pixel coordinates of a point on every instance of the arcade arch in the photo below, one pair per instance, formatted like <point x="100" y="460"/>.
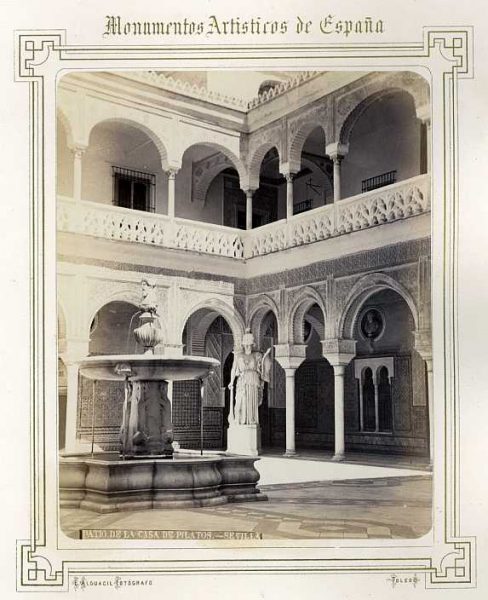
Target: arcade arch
<point x="123" y="165"/>
<point x="383" y="136"/>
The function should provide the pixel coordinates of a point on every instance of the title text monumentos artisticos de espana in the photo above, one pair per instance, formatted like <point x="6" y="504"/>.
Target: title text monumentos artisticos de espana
<point x="213" y="26"/>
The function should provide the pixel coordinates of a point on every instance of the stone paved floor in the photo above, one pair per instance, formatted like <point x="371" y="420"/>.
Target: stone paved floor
<point x="368" y="506"/>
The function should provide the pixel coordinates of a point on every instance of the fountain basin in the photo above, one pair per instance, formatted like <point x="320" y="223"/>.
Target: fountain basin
<point x="146" y="367"/>
<point x="106" y="484"/>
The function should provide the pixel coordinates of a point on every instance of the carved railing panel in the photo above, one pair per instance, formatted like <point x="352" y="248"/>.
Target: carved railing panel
<point x="207" y="238"/>
<point x="385" y="205"/>
<point x="112" y="222"/>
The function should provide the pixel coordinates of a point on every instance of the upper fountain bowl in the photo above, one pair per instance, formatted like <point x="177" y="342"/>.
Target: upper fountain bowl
<point x="146" y="367"/>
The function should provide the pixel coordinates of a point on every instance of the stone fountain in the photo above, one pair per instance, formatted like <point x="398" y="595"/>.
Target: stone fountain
<point x="147" y="472"/>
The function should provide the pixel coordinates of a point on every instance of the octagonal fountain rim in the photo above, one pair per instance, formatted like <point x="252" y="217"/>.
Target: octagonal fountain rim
<point x="146" y="367"/>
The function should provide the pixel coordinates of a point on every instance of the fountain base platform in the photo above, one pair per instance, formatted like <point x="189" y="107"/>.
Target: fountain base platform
<point x="105" y="483"/>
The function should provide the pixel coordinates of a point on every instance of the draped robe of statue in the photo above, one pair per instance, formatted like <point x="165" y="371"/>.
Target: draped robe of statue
<point x="251" y="370"/>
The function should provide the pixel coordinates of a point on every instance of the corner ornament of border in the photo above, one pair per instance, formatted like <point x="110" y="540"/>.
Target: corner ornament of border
<point x="33" y="49"/>
<point x="455" y="45"/>
<point x="457" y="567"/>
<point x="35" y="570"/>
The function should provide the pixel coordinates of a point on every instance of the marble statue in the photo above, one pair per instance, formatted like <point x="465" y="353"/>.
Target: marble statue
<point x="251" y="369"/>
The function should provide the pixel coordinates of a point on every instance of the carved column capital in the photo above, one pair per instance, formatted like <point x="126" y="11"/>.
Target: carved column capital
<point x="337" y="151"/>
<point x="290" y="356"/>
<point x="78" y="150"/>
<point x="339" y="351"/>
<point x="249" y="192"/>
<point x="289" y="176"/>
<point x="172" y="172"/>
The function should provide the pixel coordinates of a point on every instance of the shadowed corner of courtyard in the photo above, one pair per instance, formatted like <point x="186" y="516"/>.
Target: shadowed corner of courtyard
<point x="307" y="499"/>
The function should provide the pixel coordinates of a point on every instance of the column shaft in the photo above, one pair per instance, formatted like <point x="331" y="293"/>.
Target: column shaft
<point x="289" y="196"/>
<point x="339" y="444"/>
<point x="249" y="195"/>
<point x="290" y="412"/>
<point x="77" y="172"/>
<point x="171" y="192"/>
<point x="428" y="134"/>
<point x="361" y="407"/>
<point x="376" y="408"/>
<point x="337" y="177"/>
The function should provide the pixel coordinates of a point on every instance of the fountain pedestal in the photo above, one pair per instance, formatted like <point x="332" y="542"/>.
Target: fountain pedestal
<point x="106" y="484"/>
<point x="146" y="428"/>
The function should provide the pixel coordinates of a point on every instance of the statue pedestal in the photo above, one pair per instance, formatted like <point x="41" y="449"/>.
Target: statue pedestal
<point x="244" y="439"/>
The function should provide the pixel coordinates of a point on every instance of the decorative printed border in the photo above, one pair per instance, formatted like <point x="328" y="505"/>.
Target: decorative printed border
<point x="448" y="558"/>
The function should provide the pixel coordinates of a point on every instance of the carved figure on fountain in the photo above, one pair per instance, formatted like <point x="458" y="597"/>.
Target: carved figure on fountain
<point x="146" y="424"/>
<point x="149" y="333"/>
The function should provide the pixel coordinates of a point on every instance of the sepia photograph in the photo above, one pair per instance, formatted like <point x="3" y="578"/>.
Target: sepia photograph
<point x="244" y="304"/>
<point x="243" y="299"/>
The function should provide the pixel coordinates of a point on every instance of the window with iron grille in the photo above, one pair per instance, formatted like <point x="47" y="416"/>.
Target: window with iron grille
<point x="378" y="181"/>
<point x="133" y="189"/>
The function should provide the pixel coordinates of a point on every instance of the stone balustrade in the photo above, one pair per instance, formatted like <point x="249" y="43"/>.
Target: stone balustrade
<point x="115" y="223"/>
<point x="385" y="205"/>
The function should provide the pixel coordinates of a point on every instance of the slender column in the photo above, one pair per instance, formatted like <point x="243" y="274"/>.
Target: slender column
<point x="339" y="443"/>
<point x="428" y="144"/>
<point x="78" y="152"/>
<point x="337" y="151"/>
<point x="289" y="194"/>
<point x="339" y="352"/>
<point x="249" y="195"/>
<point x="337" y="159"/>
<point x="361" y="409"/>
<point x="290" y="357"/>
<point x="171" y="191"/>
<point x="290" y="412"/>
<point x="423" y="114"/>
<point x="376" y="405"/>
<point x="71" y="443"/>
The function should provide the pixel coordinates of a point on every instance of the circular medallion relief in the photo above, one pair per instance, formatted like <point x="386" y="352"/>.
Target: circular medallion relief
<point x="372" y="324"/>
